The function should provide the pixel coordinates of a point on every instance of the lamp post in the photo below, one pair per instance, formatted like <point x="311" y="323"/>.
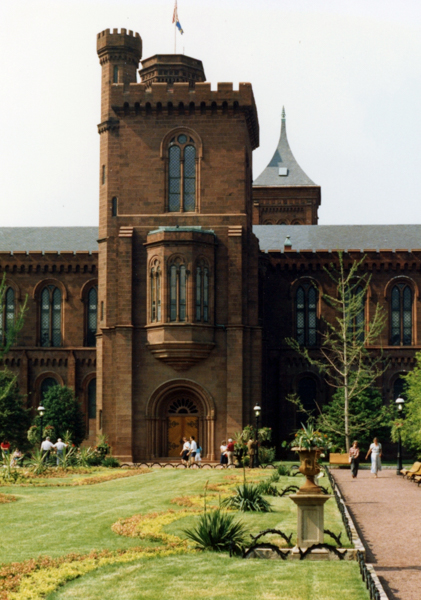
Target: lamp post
<point x="41" y="411"/>
<point x="257" y="411"/>
<point x="399" y="402"/>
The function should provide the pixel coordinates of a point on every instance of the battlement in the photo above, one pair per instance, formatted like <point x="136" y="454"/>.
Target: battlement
<point x="117" y="42"/>
<point x="182" y="99"/>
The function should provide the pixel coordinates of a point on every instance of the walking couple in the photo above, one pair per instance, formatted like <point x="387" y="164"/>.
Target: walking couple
<point x="191" y="452"/>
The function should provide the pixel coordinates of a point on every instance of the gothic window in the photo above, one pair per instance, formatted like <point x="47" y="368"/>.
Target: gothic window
<point x="202" y="293"/>
<point x="92" y="399"/>
<point x="182" y="174"/>
<point x="356" y="321"/>
<point x="91" y="317"/>
<point x="46" y="384"/>
<point x="401" y="315"/>
<point x="7" y="319"/>
<point x="178" y="293"/>
<point x="50" y="316"/>
<point x="155" y="289"/>
<point x="306" y="315"/>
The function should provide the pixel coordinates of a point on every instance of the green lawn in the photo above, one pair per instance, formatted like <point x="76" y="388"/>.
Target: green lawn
<point x="56" y="521"/>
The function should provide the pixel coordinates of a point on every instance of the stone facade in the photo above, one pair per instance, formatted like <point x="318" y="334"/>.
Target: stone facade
<point x="193" y="292"/>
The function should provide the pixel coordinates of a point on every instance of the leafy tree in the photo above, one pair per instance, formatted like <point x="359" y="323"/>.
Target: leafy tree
<point x="63" y="411"/>
<point x="15" y="419"/>
<point x="344" y="357"/>
<point x="410" y="425"/>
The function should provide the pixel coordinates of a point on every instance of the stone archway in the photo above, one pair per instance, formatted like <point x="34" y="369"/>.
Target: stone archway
<point x="178" y="408"/>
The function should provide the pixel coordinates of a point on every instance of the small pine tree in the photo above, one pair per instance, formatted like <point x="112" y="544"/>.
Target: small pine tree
<point x="64" y="412"/>
<point x="15" y="419"/>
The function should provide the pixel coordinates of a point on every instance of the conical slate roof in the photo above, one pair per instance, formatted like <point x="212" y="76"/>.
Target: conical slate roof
<point x="283" y="169"/>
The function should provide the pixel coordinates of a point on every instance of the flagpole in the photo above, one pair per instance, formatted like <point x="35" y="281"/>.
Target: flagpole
<point x="175" y="38"/>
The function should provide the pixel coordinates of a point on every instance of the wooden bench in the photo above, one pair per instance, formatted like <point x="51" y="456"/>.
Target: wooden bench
<point x="339" y="459"/>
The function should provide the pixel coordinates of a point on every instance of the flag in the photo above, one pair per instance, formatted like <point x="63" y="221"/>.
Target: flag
<point x="176" y="20"/>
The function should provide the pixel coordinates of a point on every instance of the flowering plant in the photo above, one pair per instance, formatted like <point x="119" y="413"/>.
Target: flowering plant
<point x="308" y="438"/>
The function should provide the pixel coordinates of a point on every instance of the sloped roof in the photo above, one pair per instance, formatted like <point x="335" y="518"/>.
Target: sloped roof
<point x="339" y="237"/>
<point x="283" y="158"/>
<point x="48" y="239"/>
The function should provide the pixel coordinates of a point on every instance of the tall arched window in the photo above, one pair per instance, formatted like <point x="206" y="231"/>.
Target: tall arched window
<point x="92" y="399"/>
<point x="182" y="174"/>
<point x="50" y="334"/>
<point x="401" y="315"/>
<point x="178" y="292"/>
<point x="46" y="384"/>
<point x="202" y="293"/>
<point x="91" y="317"/>
<point x="8" y="317"/>
<point x="306" y="314"/>
<point x="155" y="289"/>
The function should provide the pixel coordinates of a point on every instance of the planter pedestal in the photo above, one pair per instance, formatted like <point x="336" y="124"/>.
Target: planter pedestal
<point x="310" y="523"/>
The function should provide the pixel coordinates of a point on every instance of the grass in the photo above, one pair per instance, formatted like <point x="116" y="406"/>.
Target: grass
<point x="56" y="521"/>
<point x="215" y="577"/>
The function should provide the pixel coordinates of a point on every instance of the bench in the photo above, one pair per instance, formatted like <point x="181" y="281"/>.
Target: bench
<point x="339" y="459"/>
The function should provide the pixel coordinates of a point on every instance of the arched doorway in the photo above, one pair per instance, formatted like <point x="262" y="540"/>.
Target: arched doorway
<point x="182" y="421"/>
<point x="179" y="408"/>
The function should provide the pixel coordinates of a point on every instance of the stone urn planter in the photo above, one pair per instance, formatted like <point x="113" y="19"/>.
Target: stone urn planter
<point x="309" y="467"/>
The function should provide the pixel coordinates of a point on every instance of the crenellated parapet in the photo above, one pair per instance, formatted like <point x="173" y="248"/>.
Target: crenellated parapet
<point x="119" y="46"/>
<point x="181" y="99"/>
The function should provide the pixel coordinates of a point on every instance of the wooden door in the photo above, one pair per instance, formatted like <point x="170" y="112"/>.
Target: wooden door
<point x="179" y="427"/>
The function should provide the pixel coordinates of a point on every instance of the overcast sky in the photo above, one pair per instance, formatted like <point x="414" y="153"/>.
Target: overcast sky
<point x="348" y="73"/>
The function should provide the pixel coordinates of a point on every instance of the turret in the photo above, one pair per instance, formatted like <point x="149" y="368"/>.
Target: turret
<point x="119" y="55"/>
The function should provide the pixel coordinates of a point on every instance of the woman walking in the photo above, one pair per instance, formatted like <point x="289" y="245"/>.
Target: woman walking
<point x="376" y="454"/>
<point x="354" y="459"/>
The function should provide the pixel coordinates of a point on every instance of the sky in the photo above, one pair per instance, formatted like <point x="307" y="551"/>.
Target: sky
<point x="347" y="72"/>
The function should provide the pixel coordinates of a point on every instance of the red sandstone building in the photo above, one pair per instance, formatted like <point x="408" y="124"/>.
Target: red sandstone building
<point x="196" y="275"/>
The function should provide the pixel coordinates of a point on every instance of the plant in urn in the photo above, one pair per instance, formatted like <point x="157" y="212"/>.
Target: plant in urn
<point x="309" y="444"/>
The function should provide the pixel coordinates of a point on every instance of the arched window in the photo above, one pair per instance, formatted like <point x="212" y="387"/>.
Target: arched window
<point x="92" y="399"/>
<point x="91" y="317"/>
<point x="155" y="288"/>
<point x="357" y="315"/>
<point x="401" y="315"/>
<point x="202" y="293"/>
<point x="178" y="291"/>
<point x="46" y="384"/>
<point x="306" y="315"/>
<point x="50" y="316"/>
<point x="7" y="320"/>
<point x="182" y="174"/>
<point x="399" y="388"/>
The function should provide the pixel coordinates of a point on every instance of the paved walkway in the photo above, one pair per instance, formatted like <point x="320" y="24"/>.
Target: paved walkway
<point x="387" y="514"/>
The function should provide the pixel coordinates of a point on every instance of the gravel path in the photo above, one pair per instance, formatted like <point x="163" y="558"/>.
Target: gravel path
<point x="387" y="514"/>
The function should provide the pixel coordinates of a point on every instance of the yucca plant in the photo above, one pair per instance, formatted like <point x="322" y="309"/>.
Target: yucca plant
<point x="274" y="478"/>
<point x="84" y="456"/>
<point x="267" y="488"/>
<point x="37" y="462"/>
<point x="248" y="497"/>
<point x="218" y="531"/>
<point x="67" y="458"/>
<point x="8" y="471"/>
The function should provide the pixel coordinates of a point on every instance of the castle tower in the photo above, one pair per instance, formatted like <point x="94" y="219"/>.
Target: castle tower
<point x="179" y="344"/>
<point x="283" y="194"/>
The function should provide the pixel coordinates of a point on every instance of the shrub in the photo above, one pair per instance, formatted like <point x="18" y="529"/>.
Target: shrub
<point x="266" y="455"/>
<point x="283" y="470"/>
<point x="110" y="462"/>
<point x="274" y="478"/>
<point x="219" y="531"/>
<point x="267" y="488"/>
<point x="15" y="419"/>
<point x="248" y="497"/>
<point x="64" y="412"/>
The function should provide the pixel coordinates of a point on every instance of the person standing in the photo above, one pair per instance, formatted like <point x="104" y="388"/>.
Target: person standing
<point x="185" y="451"/>
<point x="230" y="452"/>
<point x="376" y="454"/>
<point x="60" y="446"/>
<point x="354" y="459"/>
<point x="252" y="447"/>
<point x="223" y="449"/>
<point x="193" y="450"/>
<point x="5" y="447"/>
<point x="46" y="448"/>
<point x="198" y="457"/>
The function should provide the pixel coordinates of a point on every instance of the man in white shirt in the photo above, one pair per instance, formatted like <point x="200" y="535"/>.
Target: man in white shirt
<point x="193" y="450"/>
<point x="46" y="447"/>
<point x="60" y="446"/>
<point x="185" y="451"/>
